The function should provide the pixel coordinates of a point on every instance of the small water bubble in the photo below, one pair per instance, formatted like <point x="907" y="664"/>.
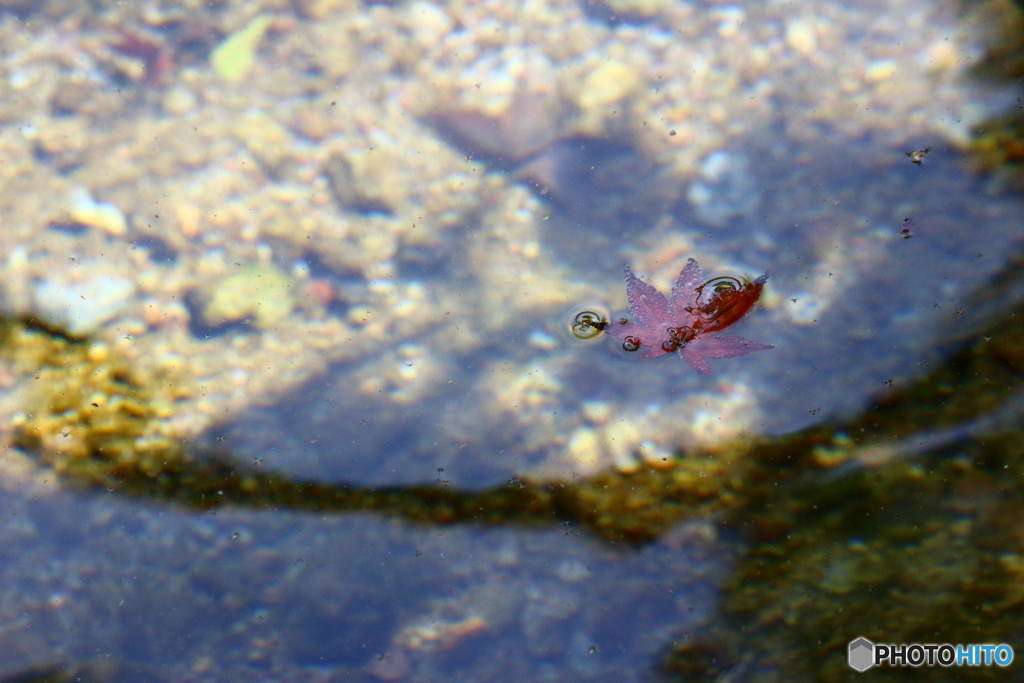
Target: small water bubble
<point x="631" y="344"/>
<point x="588" y="324"/>
<point x="724" y="283"/>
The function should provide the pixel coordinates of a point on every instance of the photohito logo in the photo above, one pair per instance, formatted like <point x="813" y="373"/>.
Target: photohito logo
<point x="863" y="654"/>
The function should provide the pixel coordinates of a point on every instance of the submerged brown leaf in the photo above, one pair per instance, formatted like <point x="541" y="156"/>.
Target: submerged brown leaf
<point x="528" y="125"/>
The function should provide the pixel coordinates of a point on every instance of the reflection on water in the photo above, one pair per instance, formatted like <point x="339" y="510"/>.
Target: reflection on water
<point x="319" y="255"/>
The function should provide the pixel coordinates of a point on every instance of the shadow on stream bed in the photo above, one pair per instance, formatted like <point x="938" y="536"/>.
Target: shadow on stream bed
<point x="902" y="525"/>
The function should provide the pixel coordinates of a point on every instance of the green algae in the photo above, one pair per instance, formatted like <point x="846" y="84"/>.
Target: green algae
<point x="997" y="145"/>
<point x="95" y="420"/>
<point x="90" y="415"/>
<point x="918" y="546"/>
<point x="100" y="671"/>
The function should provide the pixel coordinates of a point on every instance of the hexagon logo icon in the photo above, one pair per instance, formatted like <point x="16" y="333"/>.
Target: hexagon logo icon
<point x="862" y="654"/>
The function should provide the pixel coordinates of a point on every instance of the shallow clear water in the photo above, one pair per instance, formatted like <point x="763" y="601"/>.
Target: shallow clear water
<point x="356" y="259"/>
